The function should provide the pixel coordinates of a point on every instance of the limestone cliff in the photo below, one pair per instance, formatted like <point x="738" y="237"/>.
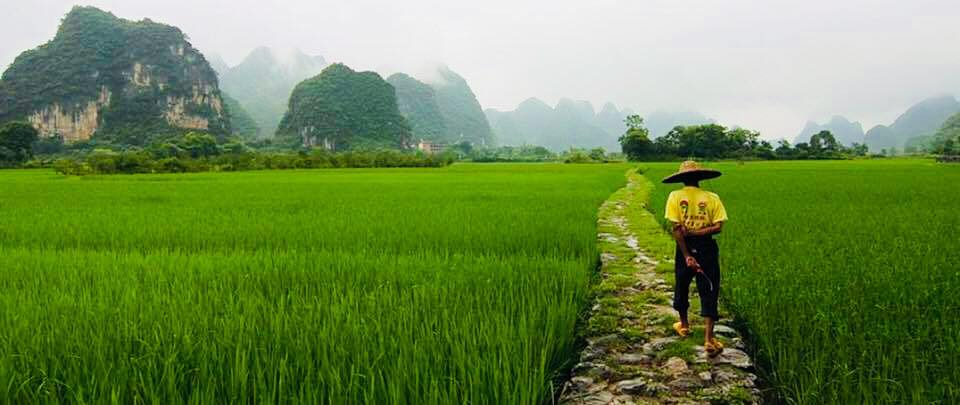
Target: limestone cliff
<point x="113" y="79"/>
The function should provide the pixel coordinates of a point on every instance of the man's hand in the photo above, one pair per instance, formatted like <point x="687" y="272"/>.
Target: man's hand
<point x="692" y="263"/>
<point x="680" y="230"/>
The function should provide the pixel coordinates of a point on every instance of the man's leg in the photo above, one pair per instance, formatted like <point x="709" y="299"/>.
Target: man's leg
<point x="708" y="286"/>
<point x="681" y="289"/>
<point x="707" y="329"/>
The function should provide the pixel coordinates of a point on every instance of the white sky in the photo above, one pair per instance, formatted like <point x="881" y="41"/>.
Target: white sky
<point x="763" y="64"/>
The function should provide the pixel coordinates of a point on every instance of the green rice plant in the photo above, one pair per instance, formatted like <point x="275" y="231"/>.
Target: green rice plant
<point x="454" y="285"/>
<point x="845" y="275"/>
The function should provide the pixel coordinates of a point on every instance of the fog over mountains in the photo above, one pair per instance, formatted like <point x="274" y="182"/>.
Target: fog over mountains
<point x="575" y="123"/>
<point x="921" y="121"/>
<point x="262" y="83"/>
<point x="846" y="132"/>
<point x="769" y="66"/>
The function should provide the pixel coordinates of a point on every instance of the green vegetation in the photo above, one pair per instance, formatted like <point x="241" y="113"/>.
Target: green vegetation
<point x="462" y="114"/>
<point x="457" y="285"/>
<point x="523" y="153"/>
<point x="16" y="143"/>
<point x="635" y="143"/>
<point x="93" y="50"/>
<point x="713" y="141"/>
<point x="262" y="83"/>
<point x="418" y="104"/>
<point x="920" y="120"/>
<point x="947" y="139"/>
<point x="210" y="157"/>
<point x="241" y="122"/>
<point x="341" y="109"/>
<point x="845" y="275"/>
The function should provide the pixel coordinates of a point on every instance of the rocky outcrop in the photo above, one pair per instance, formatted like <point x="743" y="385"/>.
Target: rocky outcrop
<point x="71" y="123"/>
<point x="178" y="114"/>
<point x="632" y="355"/>
<point x="125" y="81"/>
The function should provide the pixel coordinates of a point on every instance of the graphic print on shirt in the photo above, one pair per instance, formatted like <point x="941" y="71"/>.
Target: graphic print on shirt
<point x="694" y="208"/>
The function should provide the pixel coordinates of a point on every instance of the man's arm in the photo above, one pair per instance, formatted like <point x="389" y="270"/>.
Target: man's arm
<point x="679" y="232"/>
<point x="710" y="230"/>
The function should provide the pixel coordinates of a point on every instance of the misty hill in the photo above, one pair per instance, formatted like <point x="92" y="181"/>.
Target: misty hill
<point x="417" y="102"/>
<point x="113" y="79"/>
<point x="659" y="123"/>
<point x="262" y="83"/>
<point x="949" y="131"/>
<point x="462" y="115"/>
<point x="574" y="123"/>
<point x="950" y="128"/>
<point x="921" y="120"/>
<point x="217" y="63"/>
<point x="843" y="130"/>
<point x="610" y="119"/>
<point x="241" y="123"/>
<point x="341" y="109"/>
<point x="569" y="124"/>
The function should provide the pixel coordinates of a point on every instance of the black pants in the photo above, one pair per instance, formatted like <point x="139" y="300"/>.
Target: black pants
<point x="707" y="253"/>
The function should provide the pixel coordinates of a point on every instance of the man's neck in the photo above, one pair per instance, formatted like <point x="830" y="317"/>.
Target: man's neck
<point x="692" y="184"/>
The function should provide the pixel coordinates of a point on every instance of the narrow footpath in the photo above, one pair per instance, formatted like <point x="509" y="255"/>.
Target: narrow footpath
<point x="633" y="356"/>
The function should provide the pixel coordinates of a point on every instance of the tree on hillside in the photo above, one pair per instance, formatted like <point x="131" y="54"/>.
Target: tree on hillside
<point x="342" y="109"/>
<point x="635" y="143"/>
<point x="16" y="143"/>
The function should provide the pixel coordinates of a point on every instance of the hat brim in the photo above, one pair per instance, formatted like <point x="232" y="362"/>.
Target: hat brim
<point x="692" y="175"/>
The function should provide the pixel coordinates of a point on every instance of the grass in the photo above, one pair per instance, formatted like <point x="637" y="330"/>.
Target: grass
<point x="455" y="285"/>
<point x="845" y="275"/>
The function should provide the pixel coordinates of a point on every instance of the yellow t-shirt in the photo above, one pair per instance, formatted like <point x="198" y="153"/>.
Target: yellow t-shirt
<point x="695" y="208"/>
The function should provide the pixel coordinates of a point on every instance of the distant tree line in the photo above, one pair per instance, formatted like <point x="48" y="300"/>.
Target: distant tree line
<point x="522" y="153"/>
<point x="713" y="141"/>
<point x="198" y="152"/>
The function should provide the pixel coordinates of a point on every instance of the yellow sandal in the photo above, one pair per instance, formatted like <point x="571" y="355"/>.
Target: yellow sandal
<point x="713" y="348"/>
<point x="683" y="332"/>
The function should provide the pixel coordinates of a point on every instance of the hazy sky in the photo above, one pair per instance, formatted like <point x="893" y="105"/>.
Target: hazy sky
<point x="764" y="64"/>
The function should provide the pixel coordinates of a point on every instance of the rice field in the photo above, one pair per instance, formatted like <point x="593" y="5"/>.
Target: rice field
<point x="455" y="285"/>
<point x="845" y="274"/>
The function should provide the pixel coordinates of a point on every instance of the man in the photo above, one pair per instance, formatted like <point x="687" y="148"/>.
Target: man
<point x="696" y="215"/>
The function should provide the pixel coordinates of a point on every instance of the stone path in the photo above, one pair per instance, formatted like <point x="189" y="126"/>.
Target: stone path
<point x="633" y="355"/>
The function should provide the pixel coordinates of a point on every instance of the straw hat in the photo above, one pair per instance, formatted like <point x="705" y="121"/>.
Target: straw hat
<point x="691" y="171"/>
